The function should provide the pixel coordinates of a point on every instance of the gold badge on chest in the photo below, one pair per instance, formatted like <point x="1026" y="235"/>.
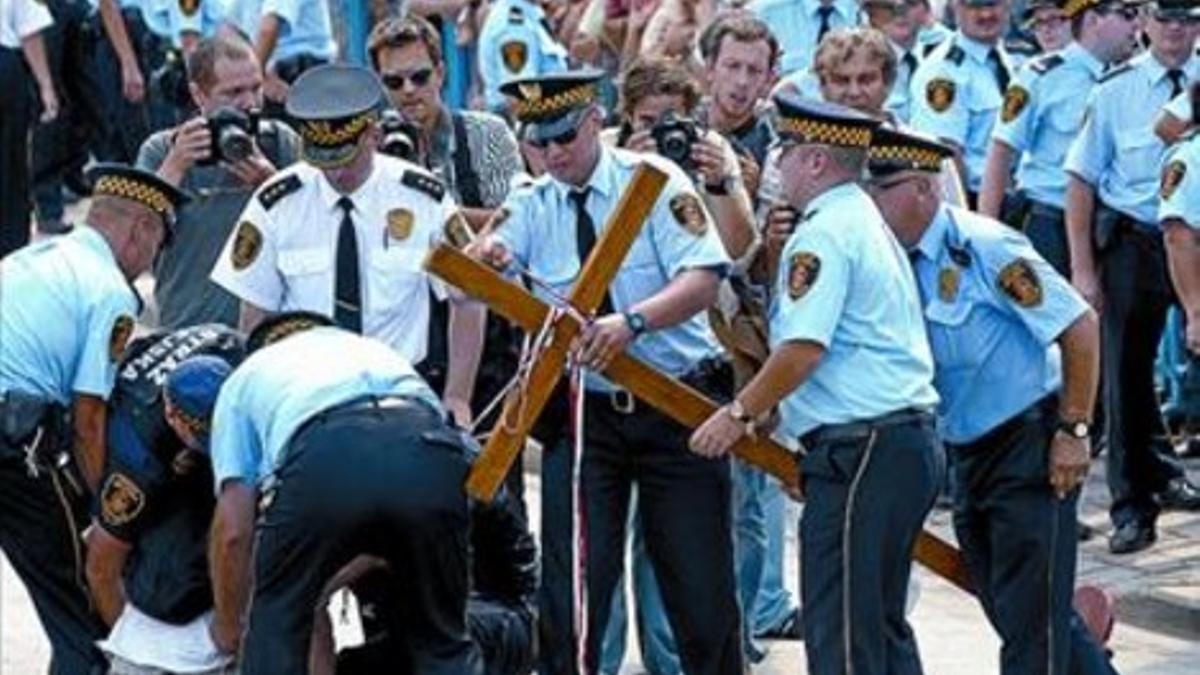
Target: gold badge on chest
<point x="399" y="224"/>
<point x="948" y="280"/>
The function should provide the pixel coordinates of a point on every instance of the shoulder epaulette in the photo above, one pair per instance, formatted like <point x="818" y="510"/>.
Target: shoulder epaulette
<point x="1119" y="70"/>
<point x="516" y="14"/>
<point x="928" y="49"/>
<point x="278" y="190"/>
<point x="1044" y="64"/>
<point x="955" y="55"/>
<point x="424" y="182"/>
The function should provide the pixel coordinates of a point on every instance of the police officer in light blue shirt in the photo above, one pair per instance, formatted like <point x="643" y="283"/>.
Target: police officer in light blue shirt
<point x="179" y="19"/>
<point x="1015" y="407"/>
<point x="852" y="374"/>
<point x="1118" y="263"/>
<point x="1040" y="117"/>
<point x="1179" y="215"/>
<point x="516" y="42"/>
<point x="800" y="25"/>
<point x="653" y="310"/>
<point x="66" y="312"/>
<point x="351" y="454"/>
<point x="957" y="91"/>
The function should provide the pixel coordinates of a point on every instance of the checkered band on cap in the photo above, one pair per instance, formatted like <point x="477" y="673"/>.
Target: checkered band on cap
<point x="827" y="133"/>
<point x="535" y="109"/>
<point x="905" y="156"/>
<point x="128" y="188"/>
<point x="323" y="133"/>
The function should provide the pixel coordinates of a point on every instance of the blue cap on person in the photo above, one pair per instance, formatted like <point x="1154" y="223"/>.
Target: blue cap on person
<point x="192" y="389"/>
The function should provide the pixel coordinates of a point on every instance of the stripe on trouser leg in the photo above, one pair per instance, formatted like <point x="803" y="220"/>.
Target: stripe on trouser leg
<point x="847" y="531"/>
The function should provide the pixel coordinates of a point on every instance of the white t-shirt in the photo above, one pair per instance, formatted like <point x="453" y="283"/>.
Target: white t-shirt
<point x="21" y="18"/>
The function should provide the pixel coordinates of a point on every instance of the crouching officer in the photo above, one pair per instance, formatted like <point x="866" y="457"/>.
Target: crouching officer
<point x="349" y="455"/>
<point x="55" y="375"/>
<point x="1016" y="352"/>
<point x="852" y="373"/>
<point x="146" y="562"/>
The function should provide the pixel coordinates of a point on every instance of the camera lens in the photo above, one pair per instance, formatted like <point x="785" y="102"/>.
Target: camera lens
<point x="236" y="145"/>
<point x="675" y="146"/>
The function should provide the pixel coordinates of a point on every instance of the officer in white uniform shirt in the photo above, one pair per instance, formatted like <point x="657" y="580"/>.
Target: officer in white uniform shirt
<point x="345" y="233"/>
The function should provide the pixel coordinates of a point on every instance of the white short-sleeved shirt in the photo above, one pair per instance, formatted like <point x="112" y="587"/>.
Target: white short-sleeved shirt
<point x="21" y="18"/>
<point x="283" y="253"/>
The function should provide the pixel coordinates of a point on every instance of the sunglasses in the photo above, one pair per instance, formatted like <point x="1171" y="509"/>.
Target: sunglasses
<point x="419" y="78"/>
<point x="1170" y="17"/>
<point x="565" y="138"/>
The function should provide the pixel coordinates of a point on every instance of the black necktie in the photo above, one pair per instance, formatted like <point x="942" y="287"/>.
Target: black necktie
<point x="910" y="64"/>
<point x="999" y="69"/>
<point x="823" y="13"/>
<point x="585" y="238"/>
<point x="1176" y="77"/>
<point x="347" y="296"/>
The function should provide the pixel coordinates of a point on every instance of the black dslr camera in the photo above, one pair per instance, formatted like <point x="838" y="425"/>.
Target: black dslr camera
<point x="675" y="137"/>
<point x="233" y="133"/>
<point x="400" y="137"/>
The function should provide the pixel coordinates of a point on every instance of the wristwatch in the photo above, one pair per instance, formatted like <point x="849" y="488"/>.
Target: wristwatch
<point x="636" y="322"/>
<point x="742" y="417"/>
<point x="727" y="184"/>
<point x="1075" y="428"/>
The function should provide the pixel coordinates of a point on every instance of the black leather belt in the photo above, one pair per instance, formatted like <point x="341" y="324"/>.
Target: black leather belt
<point x="830" y="433"/>
<point x="1042" y="210"/>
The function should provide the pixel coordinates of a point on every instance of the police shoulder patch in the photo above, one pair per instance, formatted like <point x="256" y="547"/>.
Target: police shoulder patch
<point x="688" y="212"/>
<point x="247" y="244"/>
<point x="514" y="54"/>
<point x="281" y="188"/>
<point x="118" y="338"/>
<point x="423" y="182"/>
<point x="121" y="500"/>
<point x="803" y="270"/>
<point x="939" y="93"/>
<point x="1047" y="63"/>
<point x="1015" y="100"/>
<point x="458" y="231"/>
<point x="1019" y="281"/>
<point x="1172" y="176"/>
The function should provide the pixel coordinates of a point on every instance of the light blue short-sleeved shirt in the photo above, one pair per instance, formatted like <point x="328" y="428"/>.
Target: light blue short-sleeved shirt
<point x="1180" y="183"/>
<point x="66" y="312"/>
<point x="1043" y="114"/>
<point x="796" y="24"/>
<point x="280" y="387"/>
<point x="845" y="284"/>
<point x="173" y="18"/>
<point x="994" y="309"/>
<point x="955" y="96"/>
<point x="1117" y="151"/>
<point x="516" y="43"/>
<point x="540" y="232"/>
<point x="305" y="27"/>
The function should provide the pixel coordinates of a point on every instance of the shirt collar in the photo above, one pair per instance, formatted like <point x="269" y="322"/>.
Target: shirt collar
<point x="330" y="195"/>
<point x="978" y="51"/>
<point x="1075" y="52"/>
<point x="934" y="239"/>
<point x="1156" y="72"/>
<point x="91" y="239"/>
<point x="841" y="7"/>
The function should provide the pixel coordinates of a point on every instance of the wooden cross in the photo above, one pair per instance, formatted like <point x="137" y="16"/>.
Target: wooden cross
<point x="678" y="401"/>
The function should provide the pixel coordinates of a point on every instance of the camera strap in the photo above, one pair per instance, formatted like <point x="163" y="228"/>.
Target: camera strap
<point x="465" y="178"/>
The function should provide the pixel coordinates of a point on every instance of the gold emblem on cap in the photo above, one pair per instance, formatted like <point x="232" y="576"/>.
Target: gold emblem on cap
<point x="530" y="91"/>
<point x="1171" y="178"/>
<point x="121" y="500"/>
<point x="1020" y="282"/>
<point x="940" y="94"/>
<point x="948" y="284"/>
<point x="118" y="338"/>
<point x="399" y="224"/>
<point x="247" y="243"/>
<point x="803" y="270"/>
<point x="688" y="212"/>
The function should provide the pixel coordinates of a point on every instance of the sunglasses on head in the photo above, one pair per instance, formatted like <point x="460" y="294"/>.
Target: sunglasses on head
<point x="565" y="138"/>
<point x="419" y="78"/>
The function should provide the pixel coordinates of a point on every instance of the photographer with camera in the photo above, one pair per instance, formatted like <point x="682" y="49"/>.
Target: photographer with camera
<point x="220" y="156"/>
<point x="658" y="97"/>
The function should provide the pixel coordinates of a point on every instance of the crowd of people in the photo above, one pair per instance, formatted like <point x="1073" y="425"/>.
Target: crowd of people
<point x="941" y="253"/>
